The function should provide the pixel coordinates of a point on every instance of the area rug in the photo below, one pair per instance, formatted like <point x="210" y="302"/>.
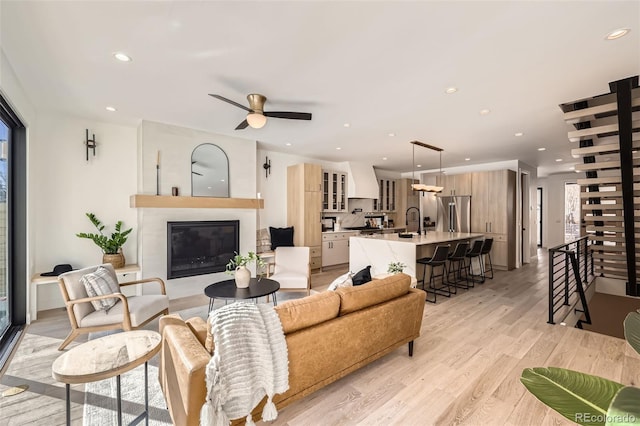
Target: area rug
<point x="100" y="407"/>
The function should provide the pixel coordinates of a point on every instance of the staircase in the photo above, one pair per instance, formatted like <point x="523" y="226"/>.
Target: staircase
<point x="607" y="132"/>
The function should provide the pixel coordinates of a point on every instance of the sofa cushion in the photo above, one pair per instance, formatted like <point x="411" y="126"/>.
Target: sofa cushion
<point x="311" y="310"/>
<point x="198" y="327"/>
<point x="359" y="297"/>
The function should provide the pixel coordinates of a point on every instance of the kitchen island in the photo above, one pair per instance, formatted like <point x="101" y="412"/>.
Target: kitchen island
<point x="378" y="250"/>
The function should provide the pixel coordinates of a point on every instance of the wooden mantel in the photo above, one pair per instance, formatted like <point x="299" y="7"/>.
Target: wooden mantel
<point x="168" y="201"/>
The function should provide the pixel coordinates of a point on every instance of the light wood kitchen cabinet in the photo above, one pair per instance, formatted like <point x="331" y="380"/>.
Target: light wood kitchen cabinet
<point x="335" y="248"/>
<point x="455" y="184"/>
<point x="304" y="206"/>
<point x="493" y="202"/>
<point x="334" y="191"/>
<point x="406" y="197"/>
<point x="386" y="201"/>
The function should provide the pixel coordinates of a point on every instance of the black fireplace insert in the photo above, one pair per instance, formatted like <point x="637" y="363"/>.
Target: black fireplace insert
<point x="204" y="247"/>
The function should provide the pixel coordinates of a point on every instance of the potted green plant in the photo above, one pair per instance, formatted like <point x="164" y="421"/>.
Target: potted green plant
<point x="238" y="266"/>
<point x="111" y="245"/>
<point x="396" y="267"/>
<point x="586" y="399"/>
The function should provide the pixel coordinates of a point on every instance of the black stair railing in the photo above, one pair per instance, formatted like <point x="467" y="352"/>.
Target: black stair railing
<point x="570" y="269"/>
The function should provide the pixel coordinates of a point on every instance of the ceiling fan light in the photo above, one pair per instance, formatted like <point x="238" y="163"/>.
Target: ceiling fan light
<point x="256" y="121"/>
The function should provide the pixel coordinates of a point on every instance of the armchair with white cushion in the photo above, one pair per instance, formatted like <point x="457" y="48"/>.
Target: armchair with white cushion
<point x="292" y="268"/>
<point x="94" y="302"/>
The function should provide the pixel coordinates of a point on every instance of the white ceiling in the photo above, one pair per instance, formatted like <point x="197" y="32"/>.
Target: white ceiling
<point x="383" y="67"/>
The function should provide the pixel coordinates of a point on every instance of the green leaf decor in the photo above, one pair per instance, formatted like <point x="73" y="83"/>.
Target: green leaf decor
<point x="625" y="408"/>
<point x="109" y="244"/>
<point x="632" y="330"/>
<point x="580" y="397"/>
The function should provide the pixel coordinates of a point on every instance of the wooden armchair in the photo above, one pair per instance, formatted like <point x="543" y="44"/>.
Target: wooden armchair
<point x="128" y="313"/>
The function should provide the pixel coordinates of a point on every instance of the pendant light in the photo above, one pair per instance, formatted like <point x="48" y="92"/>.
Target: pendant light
<point x="420" y="187"/>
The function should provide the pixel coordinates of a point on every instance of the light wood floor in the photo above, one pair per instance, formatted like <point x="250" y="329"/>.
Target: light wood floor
<point x="465" y="369"/>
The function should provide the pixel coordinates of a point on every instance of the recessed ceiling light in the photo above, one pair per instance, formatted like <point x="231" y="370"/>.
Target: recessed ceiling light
<point x="572" y="168"/>
<point x="451" y="90"/>
<point x="485" y="111"/>
<point x="542" y="149"/>
<point x="519" y="134"/>
<point x="122" y="57"/>
<point x="392" y="134"/>
<point x="418" y="165"/>
<point x="467" y="159"/>
<point x="288" y="144"/>
<point x="384" y="158"/>
<point x="615" y="34"/>
<point x="558" y="160"/>
<point x="347" y="125"/>
<point x="110" y="108"/>
<point x="338" y="148"/>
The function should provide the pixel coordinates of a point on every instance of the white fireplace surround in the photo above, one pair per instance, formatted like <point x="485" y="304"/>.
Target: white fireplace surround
<point x="175" y="145"/>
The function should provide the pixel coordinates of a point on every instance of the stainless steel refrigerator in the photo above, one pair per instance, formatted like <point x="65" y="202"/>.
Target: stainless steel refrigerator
<point x="454" y="213"/>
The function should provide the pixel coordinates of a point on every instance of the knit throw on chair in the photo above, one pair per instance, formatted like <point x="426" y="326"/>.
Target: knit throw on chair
<point x="250" y="360"/>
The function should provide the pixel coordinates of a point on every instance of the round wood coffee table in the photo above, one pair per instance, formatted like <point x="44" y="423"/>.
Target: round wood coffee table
<point x="227" y="290"/>
<point x="107" y="357"/>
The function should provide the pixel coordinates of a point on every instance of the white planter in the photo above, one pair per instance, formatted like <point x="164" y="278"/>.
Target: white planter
<point x="243" y="277"/>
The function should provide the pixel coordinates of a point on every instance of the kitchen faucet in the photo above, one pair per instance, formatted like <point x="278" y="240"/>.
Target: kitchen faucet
<point x="406" y="217"/>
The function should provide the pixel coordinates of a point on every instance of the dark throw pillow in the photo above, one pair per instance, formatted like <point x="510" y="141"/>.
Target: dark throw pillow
<point x="281" y="237"/>
<point x="362" y="277"/>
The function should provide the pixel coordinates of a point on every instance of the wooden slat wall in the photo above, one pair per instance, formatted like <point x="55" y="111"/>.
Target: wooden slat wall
<point x="595" y="120"/>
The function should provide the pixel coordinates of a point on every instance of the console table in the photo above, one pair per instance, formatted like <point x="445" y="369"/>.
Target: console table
<point x="37" y="280"/>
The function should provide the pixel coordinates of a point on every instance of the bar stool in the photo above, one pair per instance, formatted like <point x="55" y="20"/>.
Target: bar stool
<point x="439" y="259"/>
<point x="457" y="266"/>
<point x="475" y="252"/>
<point x="486" y="252"/>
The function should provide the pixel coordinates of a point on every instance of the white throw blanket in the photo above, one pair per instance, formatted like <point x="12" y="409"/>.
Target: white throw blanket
<point x="250" y="360"/>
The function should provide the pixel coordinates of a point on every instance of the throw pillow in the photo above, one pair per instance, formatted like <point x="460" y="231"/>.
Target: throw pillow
<point x="99" y="283"/>
<point x="344" y="280"/>
<point x="362" y="277"/>
<point x="281" y="237"/>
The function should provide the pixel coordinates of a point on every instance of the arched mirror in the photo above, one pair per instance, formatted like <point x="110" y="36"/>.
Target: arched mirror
<point x="209" y="171"/>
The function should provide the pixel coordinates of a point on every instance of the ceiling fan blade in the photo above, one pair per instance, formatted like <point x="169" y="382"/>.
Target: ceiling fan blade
<point x="288" y="114"/>
<point x="229" y="101"/>
<point x="242" y="125"/>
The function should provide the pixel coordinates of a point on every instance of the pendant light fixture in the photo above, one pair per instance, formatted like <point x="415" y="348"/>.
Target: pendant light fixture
<point x="420" y="187"/>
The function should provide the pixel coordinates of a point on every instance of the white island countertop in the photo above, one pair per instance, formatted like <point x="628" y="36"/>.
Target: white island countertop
<point x="379" y="250"/>
<point x="432" y="237"/>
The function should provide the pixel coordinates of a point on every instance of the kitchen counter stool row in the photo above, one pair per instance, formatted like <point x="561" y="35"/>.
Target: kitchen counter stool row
<point x="461" y="268"/>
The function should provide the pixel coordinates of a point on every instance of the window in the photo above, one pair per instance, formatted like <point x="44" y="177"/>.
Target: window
<point x="13" y="231"/>
<point x="4" y="234"/>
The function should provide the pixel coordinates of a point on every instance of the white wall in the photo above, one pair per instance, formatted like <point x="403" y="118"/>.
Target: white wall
<point x="65" y="186"/>
<point x="176" y="145"/>
<point x="14" y="94"/>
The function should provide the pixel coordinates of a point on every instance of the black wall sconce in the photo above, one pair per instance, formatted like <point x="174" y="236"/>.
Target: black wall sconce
<point x="90" y="144"/>
<point x="267" y="167"/>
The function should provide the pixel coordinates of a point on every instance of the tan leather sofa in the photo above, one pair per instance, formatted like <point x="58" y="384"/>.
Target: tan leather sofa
<point x="328" y="336"/>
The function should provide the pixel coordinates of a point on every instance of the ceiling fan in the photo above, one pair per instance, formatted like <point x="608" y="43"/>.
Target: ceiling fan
<point x="257" y="116"/>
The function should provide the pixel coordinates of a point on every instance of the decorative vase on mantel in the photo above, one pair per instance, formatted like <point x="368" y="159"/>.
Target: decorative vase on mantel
<point x="117" y="260"/>
<point x="242" y="276"/>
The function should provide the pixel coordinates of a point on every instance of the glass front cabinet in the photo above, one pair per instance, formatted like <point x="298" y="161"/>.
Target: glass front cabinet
<point x="334" y="191"/>
<point x="386" y="201"/>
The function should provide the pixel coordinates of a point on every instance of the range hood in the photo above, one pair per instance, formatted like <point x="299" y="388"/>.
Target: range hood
<point x="362" y="181"/>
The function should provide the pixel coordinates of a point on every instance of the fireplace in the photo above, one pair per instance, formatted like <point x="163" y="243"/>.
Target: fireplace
<point x="197" y="248"/>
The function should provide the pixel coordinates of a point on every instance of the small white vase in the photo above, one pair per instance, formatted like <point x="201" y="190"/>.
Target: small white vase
<point x="243" y="277"/>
